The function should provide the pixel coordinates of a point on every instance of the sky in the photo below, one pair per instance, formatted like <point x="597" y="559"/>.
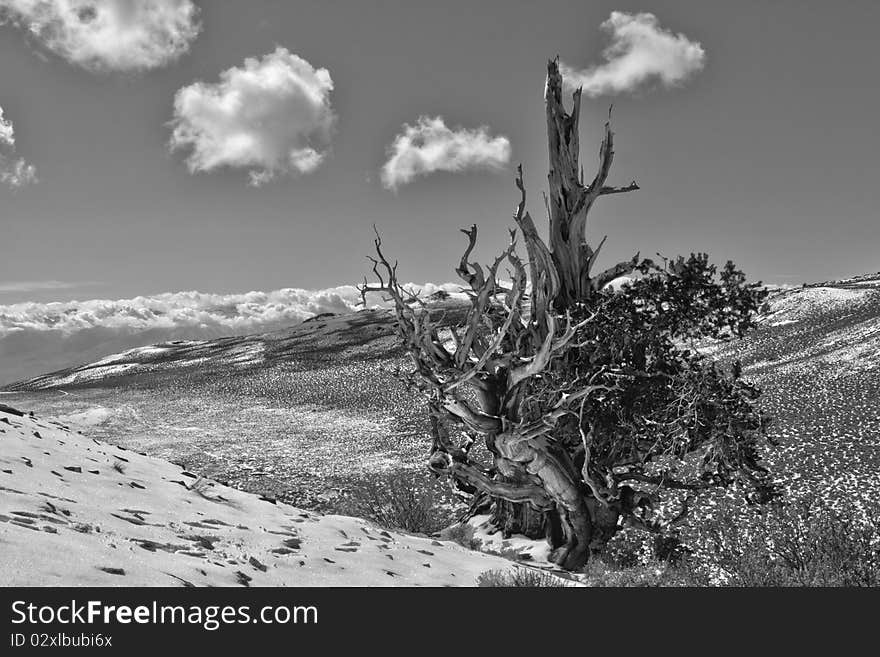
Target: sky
<point x="749" y="126"/>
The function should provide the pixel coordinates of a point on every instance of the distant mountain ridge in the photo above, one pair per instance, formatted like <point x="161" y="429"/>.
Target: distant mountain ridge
<point x="296" y="411"/>
<point x="323" y="333"/>
<point x="36" y="338"/>
<point x="832" y="322"/>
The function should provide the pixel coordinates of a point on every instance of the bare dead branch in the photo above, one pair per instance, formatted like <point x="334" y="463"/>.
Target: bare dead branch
<point x="570" y="201"/>
<point x="475" y="280"/>
<point x="475" y="420"/>
<point x="605" y="191"/>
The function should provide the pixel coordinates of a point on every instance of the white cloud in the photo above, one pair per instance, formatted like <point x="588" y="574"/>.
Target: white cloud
<point x="7" y="134"/>
<point x="272" y="116"/>
<point x="32" y="286"/>
<point x="109" y="35"/>
<point x="430" y="146"/>
<point x="36" y="338"/>
<point x="14" y="171"/>
<point x="641" y="51"/>
<point x="206" y="312"/>
<point x="17" y="173"/>
<point x="175" y="310"/>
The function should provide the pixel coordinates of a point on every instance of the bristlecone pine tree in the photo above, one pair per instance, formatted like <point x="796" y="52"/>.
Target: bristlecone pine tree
<point x="591" y="403"/>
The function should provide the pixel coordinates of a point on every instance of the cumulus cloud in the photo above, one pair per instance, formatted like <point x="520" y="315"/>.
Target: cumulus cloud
<point x="14" y="171"/>
<point x="430" y="146"/>
<point x="271" y="116"/>
<point x="640" y="52"/>
<point x="108" y="35"/>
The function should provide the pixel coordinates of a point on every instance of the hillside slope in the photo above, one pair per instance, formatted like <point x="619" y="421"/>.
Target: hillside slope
<point x="77" y="511"/>
<point x="293" y="413"/>
<point x="816" y="356"/>
<point x="300" y="413"/>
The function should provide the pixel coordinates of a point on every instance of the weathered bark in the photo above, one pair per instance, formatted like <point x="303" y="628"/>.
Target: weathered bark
<point x="512" y="518"/>
<point x="560" y="277"/>
<point x="505" y="344"/>
<point x="560" y="280"/>
<point x="559" y="479"/>
<point x="570" y="201"/>
<point x="582" y="401"/>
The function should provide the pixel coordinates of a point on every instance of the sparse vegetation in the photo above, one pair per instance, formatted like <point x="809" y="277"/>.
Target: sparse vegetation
<point x="520" y="577"/>
<point x="203" y="487"/>
<point x="654" y="573"/>
<point x="463" y="534"/>
<point x="406" y="500"/>
<point x="824" y="417"/>
<point x="804" y="542"/>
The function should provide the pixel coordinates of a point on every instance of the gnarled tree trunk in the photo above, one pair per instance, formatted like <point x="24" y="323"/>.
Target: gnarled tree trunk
<point x="561" y="279"/>
<point x="585" y="402"/>
<point x="504" y="346"/>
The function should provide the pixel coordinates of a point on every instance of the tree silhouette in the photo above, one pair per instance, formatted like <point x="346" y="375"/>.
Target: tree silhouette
<point x="570" y="409"/>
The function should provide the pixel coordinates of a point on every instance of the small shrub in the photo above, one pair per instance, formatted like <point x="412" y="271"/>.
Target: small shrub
<point x="627" y="549"/>
<point x="669" y="548"/>
<point x="463" y="534"/>
<point x="408" y="501"/>
<point x="653" y="573"/>
<point x="520" y="577"/>
<point x="633" y="547"/>
<point x="202" y="487"/>
<point x="801" y="543"/>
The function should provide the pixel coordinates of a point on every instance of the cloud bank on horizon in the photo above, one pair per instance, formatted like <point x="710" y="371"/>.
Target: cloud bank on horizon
<point x="14" y="171"/>
<point x="36" y="338"/>
<point x="176" y="310"/>
<point x="271" y="116"/>
<point x="34" y="286"/>
<point x="640" y="52"/>
<point x="108" y="35"/>
<point x="430" y="146"/>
